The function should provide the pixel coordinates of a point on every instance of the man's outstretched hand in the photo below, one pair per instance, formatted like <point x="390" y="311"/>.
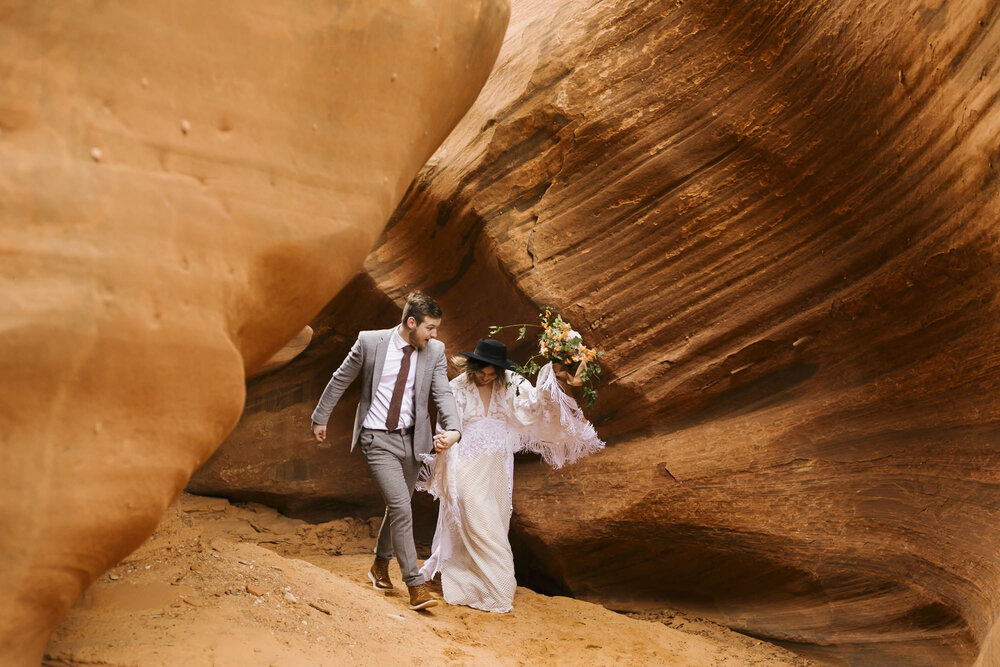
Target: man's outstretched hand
<point x="445" y="439"/>
<point x="319" y="432"/>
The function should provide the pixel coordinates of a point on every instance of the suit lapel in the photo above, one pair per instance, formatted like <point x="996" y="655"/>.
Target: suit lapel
<point x="380" y="351"/>
<point x="418" y="379"/>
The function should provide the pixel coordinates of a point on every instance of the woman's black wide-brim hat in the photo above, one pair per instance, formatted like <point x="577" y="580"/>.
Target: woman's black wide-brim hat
<point x="491" y="352"/>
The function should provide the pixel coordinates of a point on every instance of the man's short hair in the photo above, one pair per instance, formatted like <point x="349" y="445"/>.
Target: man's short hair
<point x="418" y="306"/>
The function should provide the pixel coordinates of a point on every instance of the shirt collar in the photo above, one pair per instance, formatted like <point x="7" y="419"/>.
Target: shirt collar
<point x="398" y="342"/>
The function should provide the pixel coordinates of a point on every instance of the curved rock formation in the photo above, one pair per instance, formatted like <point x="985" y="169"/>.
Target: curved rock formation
<point x="271" y="456"/>
<point x="182" y="187"/>
<point x="293" y="348"/>
<point x="778" y="219"/>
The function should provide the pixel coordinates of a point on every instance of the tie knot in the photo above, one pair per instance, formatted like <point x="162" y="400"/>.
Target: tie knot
<point x="407" y="349"/>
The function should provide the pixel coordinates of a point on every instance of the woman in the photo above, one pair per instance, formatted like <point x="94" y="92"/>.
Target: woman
<point x="501" y="413"/>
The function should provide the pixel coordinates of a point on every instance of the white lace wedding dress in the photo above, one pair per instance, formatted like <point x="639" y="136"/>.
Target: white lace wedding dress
<point x="474" y="481"/>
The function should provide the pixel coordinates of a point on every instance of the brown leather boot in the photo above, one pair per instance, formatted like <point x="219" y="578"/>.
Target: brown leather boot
<point x="420" y="597"/>
<point x="379" y="575"/>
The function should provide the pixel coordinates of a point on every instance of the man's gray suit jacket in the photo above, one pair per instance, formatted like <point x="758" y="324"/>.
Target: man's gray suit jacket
<point x="366" y="358"/>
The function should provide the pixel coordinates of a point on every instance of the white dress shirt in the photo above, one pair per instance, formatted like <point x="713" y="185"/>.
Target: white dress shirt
<point x="379" y="410"/>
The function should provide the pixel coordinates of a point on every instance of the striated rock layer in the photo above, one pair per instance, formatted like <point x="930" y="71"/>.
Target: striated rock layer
<point x="182" y="187"/>
<point x="779" y="221"/>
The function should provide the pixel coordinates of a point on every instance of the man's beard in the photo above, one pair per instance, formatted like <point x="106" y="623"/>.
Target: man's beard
<point x="418" y="345"/>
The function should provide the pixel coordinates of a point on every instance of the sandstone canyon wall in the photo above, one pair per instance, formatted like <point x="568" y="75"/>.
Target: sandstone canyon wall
<point x="183" y="185"/>
<point x="778" y="219"/>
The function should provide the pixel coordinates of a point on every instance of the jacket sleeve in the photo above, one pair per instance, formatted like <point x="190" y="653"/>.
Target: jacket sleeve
<point x="443" y="398"/>
<point x="342" y="378"/>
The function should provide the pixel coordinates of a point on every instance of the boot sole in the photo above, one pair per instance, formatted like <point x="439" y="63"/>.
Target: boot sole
<point x="371" y="578"/>
<point x="423" y="605"/>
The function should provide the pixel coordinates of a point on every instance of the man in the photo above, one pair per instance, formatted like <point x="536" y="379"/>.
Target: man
<point x="399" y="368"/>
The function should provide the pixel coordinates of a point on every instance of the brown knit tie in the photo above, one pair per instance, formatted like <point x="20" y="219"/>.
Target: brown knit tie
<point x="396" y="403"/>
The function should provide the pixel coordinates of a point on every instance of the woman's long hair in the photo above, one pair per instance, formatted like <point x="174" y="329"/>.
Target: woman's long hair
<point x="470" y="366"/>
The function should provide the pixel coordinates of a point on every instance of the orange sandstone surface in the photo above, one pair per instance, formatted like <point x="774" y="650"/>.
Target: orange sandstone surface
<point x="183" y="186"/>
<point x="778" y="219"/>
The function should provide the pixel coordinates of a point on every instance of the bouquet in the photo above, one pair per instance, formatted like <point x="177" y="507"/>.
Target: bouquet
<point x="559" y="343"/>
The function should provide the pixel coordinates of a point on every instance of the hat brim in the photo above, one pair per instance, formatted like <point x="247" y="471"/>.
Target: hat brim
<point x="506" y="363"/>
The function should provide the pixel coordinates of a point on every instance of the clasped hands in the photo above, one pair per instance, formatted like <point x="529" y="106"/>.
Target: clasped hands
<point x="445" y="439"/>
<point x="442" y="441"/>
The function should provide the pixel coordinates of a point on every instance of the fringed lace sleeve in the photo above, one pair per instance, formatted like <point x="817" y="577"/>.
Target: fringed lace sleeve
<point x="549" y="421"/>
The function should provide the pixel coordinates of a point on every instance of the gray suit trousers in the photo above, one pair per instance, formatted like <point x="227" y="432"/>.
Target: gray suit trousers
<point x="394" y="467"/>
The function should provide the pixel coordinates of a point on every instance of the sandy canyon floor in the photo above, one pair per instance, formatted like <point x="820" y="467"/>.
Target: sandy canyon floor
<point x="222" y="584"/>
